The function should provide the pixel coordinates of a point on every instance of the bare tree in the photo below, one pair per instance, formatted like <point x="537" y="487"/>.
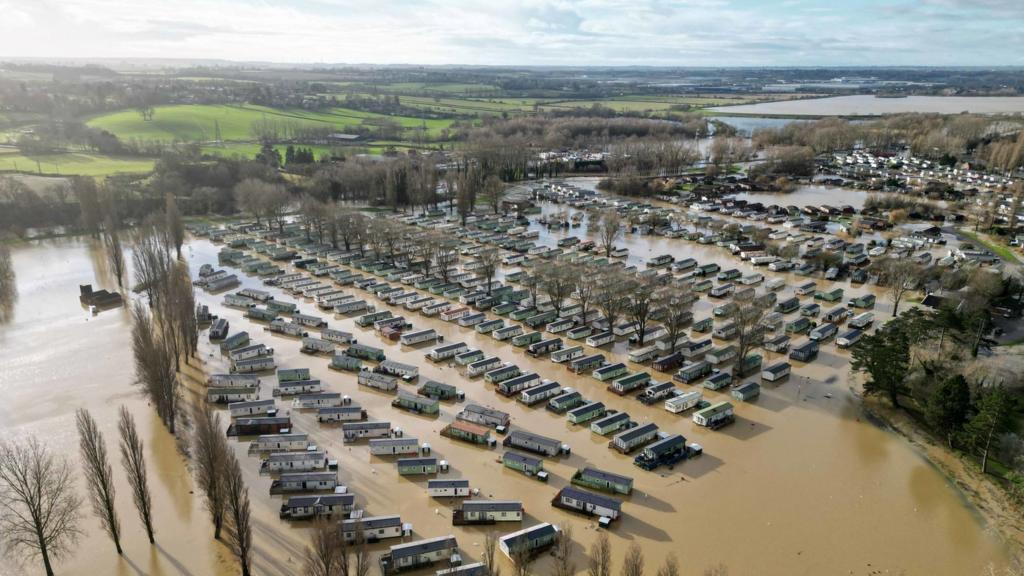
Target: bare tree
<point x="600" y="557"/>
<point x="154" y="367"/>
<point x="99" y="475"/>
<point x="133" y="459"/>
<point x="494" y="192"/>
<point x="490" y="559"/>
<point x="676" y="302"/>
<point x="585" y="286"/>
<point x="152" y="263"/>
<point x="322" y="555"/>
<point x="633" y="563"/>
<point x="177" y="314"/>
<point x="239" y="515"/>
<point x="489" y="260"/>
<point x="522" y="558"/>
<point x="670" y="567"/>
<point x="557" y="282"/>
<point x="564" y="566"/>
<point x="250" y="196"/>
<point x="747" y="316"/>
<point x="640" y="303"/>
<point x="115" y="253"/>
<point x="901" y="277"/>
<point x="175" y="226"/>
<point x="210" y="455"/>
<point x="39" y="509"/>
<point x="445" y="258"/>
<point x="611" y="297"/>
<point x="276" y="201"/>
<point x="608" y="227"/>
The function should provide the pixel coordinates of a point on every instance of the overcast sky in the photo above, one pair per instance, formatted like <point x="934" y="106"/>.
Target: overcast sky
<point x="528" y="32"/>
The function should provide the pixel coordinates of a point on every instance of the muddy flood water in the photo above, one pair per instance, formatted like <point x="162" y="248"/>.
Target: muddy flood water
<point x="800" y="484"/>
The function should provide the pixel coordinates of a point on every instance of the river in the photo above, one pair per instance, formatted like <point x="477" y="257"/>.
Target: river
<point x="868" y="105"/>
<point x="798" y="485"/>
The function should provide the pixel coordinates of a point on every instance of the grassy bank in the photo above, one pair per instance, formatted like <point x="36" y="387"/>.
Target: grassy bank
<point x="1004" y="252"/>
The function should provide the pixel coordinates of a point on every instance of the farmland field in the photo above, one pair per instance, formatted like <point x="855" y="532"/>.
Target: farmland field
<point x="68" y="163"/>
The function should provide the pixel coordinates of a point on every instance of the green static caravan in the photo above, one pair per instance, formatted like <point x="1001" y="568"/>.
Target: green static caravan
<point x="415" y="403"/>
<point x="579" y="332"/>
<point x="703" y="326"/>
<point x="750" y="365"/>
<point x="282" y="307"/>
<point x="692" y="372"/>
<point x="489" y="326"/>
<point x="586" y="363"/>
<point x="417" y="466"/>
<point x="503" y="309"/>
<point x="438" y="390"/>
<point x="629" y="383"/>
<point x="468" y="357"/>
<point x="865" y="301"/>
<point x="563" y="403"/>
<point x="834" y="295"/>
<point x="610" y="372"/>
<point x="365" y="352"/>
<point x="522" y="313"/>
<point x="587" y="412"/>
<point x="610" y="423"/>
<point x="541" y="319"/>
<point x="567" y="354"/>
<point x="525" y="340"/>
<point x="346" y="362"/>
<point x="604" y="481"/>
<point x="507" y="332"/>
<point x="798" y="325"/>
<point x="292" y="374"/>
<point x="522" y="463"/>
<point x="368" y="319"/>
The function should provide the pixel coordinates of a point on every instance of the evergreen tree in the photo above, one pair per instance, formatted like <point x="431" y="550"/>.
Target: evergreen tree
<point x="994" y="416"/>
<point x="885" y="357"/>
<point x="289" y="154"/>
<point x="948" y="406"/>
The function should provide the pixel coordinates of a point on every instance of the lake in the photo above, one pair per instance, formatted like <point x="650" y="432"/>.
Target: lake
<point x="868" y="105"/>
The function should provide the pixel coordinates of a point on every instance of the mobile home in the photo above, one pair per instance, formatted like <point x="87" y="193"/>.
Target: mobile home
<point x="714" y="416"/>
<point x="353" y="431"/>
<point x="393" y="446"/>
<point x="629" y="440"/>
<point x="684" y="401"/>
<point x="533" y="443"/>
<point x="775" y="372"/>
<point x="586" y="412"/>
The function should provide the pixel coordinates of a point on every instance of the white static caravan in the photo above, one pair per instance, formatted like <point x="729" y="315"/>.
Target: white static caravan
<point x="304" y="482"/>
<point x="251" y="351"/>
<point x="350" y="413"/>
<point x="447" y="351"/>
<point x="238" y="301"/>
<point x="373" y="528"/>
<point x="540" y="392"/>
<point x="294" y="462"/>
<point x="298" y="387"/>
<point x="406" y="372"/>
<point x="312" y="345"/>
<point x="507" y="332"/>
<point x="641" y="355"/>
<point x="598" y="340"/>
<point x="482" y="366"/>
<point x="353" y="306"/>
<point x="314" y="401"/>
<point x="377" y="381"/>
<point x="567" y="354"/>
<point x="227" y="395"/>
<point x="684" y="401"/>
<point x="253" y="408"/>
<point x="233" y="380"/>
<point x="279" y="443"/>
<point x="448" y="488"/>
<point x="353" y="431"/>
<point x="419" y="337"/>
<point x="250" y="365"/>
<point x="336" y="336"/>
<point x="393" y="446"/>
<point x="310" y="321"/>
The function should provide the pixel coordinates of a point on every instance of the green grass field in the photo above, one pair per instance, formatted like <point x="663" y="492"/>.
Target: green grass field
<point x="72" y="163"/>
<point x="197" y="122"/>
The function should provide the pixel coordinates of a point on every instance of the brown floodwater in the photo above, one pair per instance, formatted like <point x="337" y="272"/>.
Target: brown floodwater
<point x="800" y="484"/>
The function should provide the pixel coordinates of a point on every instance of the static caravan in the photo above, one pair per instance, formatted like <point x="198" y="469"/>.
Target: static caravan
<point x="747" y="391"/>
<point x="604" y="481"/>
<point x="524" y="340"/>
<point x="341" y="414"/>
<point x="419" y="553"/>
<point x="439" y="391"/>
<point x="468" y="320"/>
<point x="669" y="362"/>
<point x="468" y="357"/>
<point x="419" y="303"/>
<point x="533" y="443"/>
<point x="798" y="325"/>
<point x="543" y="347"/>
<point x="805" y="352"/>
<point x="865" y="301"/>
<point x="372" y="529"/>
<point x="610" y="372"/>
<point x="353" y="306"/>
<point x="377" y="381"/>
<point x="416" y="466"/>
<point x="834" y="295"/>
<point x="489" y="326"/>
<point x="667" y="451"/>
<point x="292" y="374"/>
<point x="311" y="345"/>
<point x="467" y="432"/>
<point x="345" y="362"/>
<point x="261" y="314"/>
<point x="538" y="393"/>
<point x="507" y="332"/>
<point x="862" y="321"/>
<point x="448" y="488"/>
<point x="336" y="336"/>
<point x="406" y="372"/>
<point x="714" y="416"/>
<point x="788" y="305"/>
<point x="586" y="412"/>
<point x="848" y="338"/>
<point x="775" y="372"/>
<point x="219" y="329"/>
<point x="238" y="301"/>
<point x="629" y="383"/>
<point x="254" y="365"/>
<point x="236" y="340"/>
<point x="254" y="426"/>
<point x="480" y="367"/>
<point x="415" y="403"/>
<point x="304" y="482"/>
<point x="684" y="401"/>
<point x="293" y="387"/>
<point x="718" y="381"/>
<point x="567" y="354"/>
<point x="656" y="392"/>
<point x="315" y="401"/>
<point x="293" y="461"/>
<point x="588" y="503"/>
<point x="837" y="315"/>
<point x="721" y="355"/>
<point x="529" y="541"/>
<point x="579" y="332"/>
<point x="447" y="351"/>
<point x="560" y="325"/>
<point x="823" y="332"/>
<point x="286" y="327"/>
<point x="279" y="443"/>
<point x="486" y="416"/>
<point x="253" y="408"/>
<point x="565" y="402"/>
<point x="367" y="320"/>
<point x="352" y="431"/>
<point x="586" y="363"/>
<point x="311" y="321"/>
<point x="600" y="339"/>
<point x="510" y="381"/>
<point x="610" y="423"/>
<point x="364" y="352"/>
<point x="693" y="372"/>
<point x="299" y="507"/>
<point x="641" y="355"/>
<point x="629" y="440"/>
<point x="488" y="512"/>
<point x="226" y="395"/>
<point x="696" y="349"/>
<point x="393" y="446"/>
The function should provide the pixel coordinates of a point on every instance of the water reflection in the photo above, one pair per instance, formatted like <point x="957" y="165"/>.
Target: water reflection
<point x="8" y="286"/>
